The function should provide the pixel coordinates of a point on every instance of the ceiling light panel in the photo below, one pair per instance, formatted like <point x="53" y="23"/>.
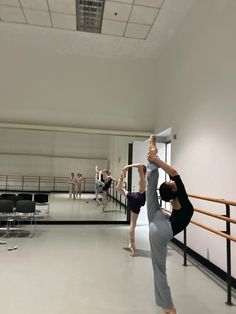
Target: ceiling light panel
<point x="89" y="14"/>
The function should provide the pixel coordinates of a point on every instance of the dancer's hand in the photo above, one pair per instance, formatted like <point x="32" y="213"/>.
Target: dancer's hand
<point x="124" y="173"/>
<point x="124" y="170"/>
<point x="121" y="176"/>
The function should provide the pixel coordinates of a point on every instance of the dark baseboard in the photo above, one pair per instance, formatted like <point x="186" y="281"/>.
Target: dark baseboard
<point x="86" y="222"/>
<point x="206" y="263"/>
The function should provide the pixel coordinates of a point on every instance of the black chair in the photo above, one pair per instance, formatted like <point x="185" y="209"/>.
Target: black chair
<point x="15" y="199"/>
<point x="26" y="196"/>
<point x="6" y="195"/>
<point x="25" y="210"/>
<point x="41" y="199"/>
<point x="6" y="214"/>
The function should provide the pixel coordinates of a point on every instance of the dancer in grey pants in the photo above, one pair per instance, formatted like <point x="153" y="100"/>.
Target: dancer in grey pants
<point x="162" y="226"/>
<point x="160" y="233"/>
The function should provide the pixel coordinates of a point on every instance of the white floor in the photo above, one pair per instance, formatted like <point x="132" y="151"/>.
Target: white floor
<point x="87" y="269"/>
<point x="61" y="207"/>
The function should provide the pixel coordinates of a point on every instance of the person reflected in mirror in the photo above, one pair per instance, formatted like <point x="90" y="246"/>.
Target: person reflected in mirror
<point x="99" y="182"/>
<point x="78" y="180"/>
<point x="108" y="179"/>
<point x="163" y="226"/>
<point x="135" y="200"/>
<point x="72" y="183"/>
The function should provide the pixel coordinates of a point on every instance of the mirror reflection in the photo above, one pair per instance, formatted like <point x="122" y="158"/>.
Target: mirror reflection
<point x="65" y="173"/>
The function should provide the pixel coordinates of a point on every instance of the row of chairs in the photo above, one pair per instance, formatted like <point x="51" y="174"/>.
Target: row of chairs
<point x="38" y="197"/>
<point x="21" y="210"/>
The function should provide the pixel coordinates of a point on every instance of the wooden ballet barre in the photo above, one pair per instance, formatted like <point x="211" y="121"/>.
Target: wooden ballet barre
<point x="211" y="199"/>
<point x="215" y="215"/>
<point x="227" y="235"/>
<point x="220" y="233"/>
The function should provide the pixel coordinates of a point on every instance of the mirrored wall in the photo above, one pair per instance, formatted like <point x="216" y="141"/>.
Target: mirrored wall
<point x="40" y="162"/>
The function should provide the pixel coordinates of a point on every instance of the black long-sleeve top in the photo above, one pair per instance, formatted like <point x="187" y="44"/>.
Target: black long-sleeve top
<point x="180" y="218"/>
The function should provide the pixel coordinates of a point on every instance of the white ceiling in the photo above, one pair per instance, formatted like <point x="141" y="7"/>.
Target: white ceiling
<point x="124" y="18"/>
<point x="140" y="29"/>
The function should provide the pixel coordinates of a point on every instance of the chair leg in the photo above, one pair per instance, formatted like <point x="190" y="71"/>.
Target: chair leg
<point x="33" y="222"/>
<point x="8" y="227"/>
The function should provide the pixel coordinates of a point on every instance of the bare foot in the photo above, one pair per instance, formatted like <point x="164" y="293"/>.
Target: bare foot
<point x="132" y="250"/>
<point x="170" y="311"/>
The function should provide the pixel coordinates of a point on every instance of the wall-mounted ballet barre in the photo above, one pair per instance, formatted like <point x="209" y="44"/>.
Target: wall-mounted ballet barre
<point x="41" y="183"/>
<point x="226" y="234"/>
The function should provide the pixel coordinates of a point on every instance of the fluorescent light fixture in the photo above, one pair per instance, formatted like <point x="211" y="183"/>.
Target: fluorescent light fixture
<point x="89" y="15"/>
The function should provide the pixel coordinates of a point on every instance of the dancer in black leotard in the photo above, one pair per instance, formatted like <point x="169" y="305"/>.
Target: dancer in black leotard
<point x="135" y="199"/>
<point x="108" y="179"/>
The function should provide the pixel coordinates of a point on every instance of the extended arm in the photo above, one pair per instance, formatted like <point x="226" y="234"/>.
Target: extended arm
<point x="132" y="165"/>
<point x="99" y="171"/>
<point x="113" y="179"/>
<point x="96" y="169"/>
<point x="142" y="179"/>
<point x="126" y="168"/>
<point x="120" y="184"/>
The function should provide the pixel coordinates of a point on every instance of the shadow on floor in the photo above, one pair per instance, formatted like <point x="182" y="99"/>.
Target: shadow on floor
<point x="144" y="253"/>
<point x="139" y="252"/>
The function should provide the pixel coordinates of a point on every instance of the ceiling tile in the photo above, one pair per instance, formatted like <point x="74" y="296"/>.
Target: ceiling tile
<point x="137" y="31"/>
<point x="143" y="15"/>
<point x="113" y="27"/>
<point x="64" y="21"/>
<point x="117" y="11"/>
<point x="11" y="14"/>
<point x="36" y="17"/>
<point x="123" y="1"/>
<point x="62" y="6"/>
<point x="35" y="4"/>
<point x="150" y="3"/>
<point x="10" y="2"/>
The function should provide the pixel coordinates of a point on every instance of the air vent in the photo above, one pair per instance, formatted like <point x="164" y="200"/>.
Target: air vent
<point x="89" y="15"/>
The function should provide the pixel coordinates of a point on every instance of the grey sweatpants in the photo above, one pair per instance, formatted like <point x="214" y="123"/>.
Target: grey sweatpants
<point x="160" y="233"/>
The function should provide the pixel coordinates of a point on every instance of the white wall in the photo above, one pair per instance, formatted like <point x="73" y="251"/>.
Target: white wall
<point x="196" y="90"/>
<point x="43" y="153"/>
<point x="45" y="80"/>
<point x="118" y="153"/>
